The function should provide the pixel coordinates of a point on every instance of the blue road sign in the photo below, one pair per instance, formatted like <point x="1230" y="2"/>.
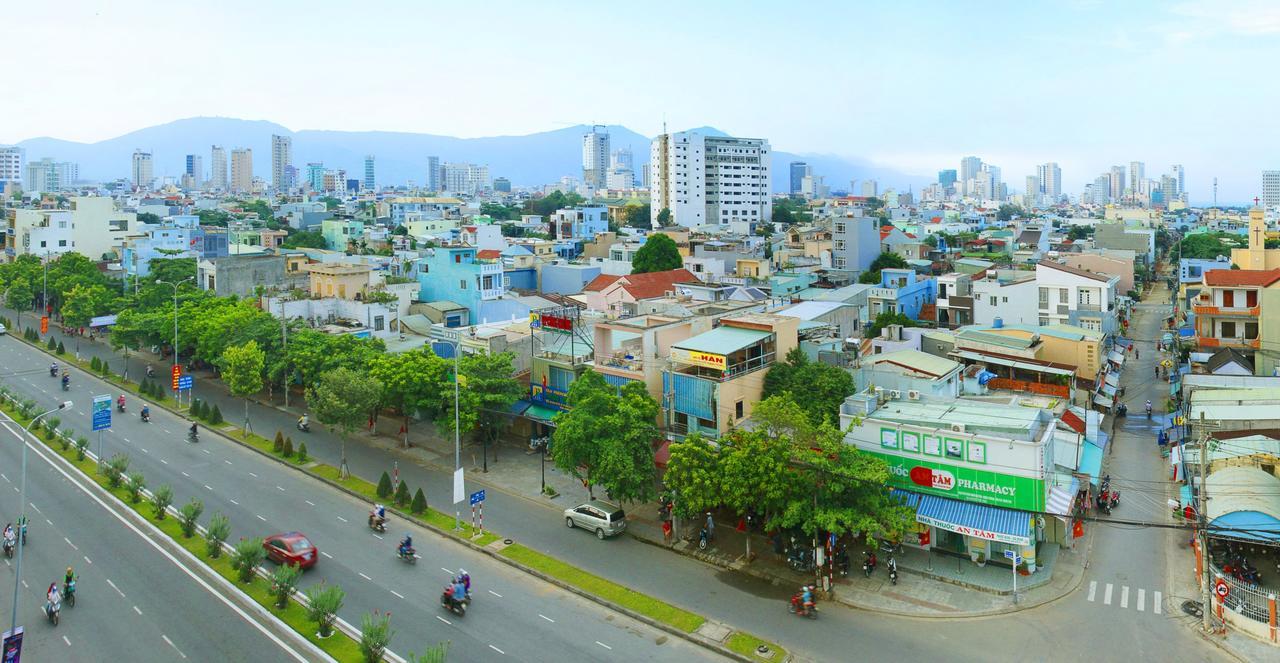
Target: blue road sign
<point x="477" y="497"/>
<point x="184" y="383"/>
<point x="1010" y="554"/>
<point x="102" y="412"/>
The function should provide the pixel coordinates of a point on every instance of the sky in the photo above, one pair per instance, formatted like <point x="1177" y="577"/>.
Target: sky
<point x="909" y="85"/>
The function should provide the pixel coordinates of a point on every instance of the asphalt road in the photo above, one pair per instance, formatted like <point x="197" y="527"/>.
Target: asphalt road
<point x="513" y="616"/>
<point x="1072" y="628"/>
<point x="119" y="614"/>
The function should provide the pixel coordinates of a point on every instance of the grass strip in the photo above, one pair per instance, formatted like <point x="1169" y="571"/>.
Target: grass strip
<point x="606" y="589"/>
<point x="746" y="644"/>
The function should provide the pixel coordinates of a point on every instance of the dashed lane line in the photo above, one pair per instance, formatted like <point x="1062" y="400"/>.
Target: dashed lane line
<point x="113" y="586"/>
<point x="261" y="518"/>
<point x="73" y="546"/>
<point x="364" y="576"/>
<point x="604" y="645"/>
<point x="64" y="639"/>
<point x="547" y="618"/>
<point x="495" y="593"/>
<point x="135" y="609"/>
<point x="398" y="594"/>
<point x="444" y="620"/>
<point x="175" y="647"/>
<point x="497" y="650"/>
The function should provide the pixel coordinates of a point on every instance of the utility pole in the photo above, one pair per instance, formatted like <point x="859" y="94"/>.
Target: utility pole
<point x="1206" y="574"/>
<point x="284" y="348"/>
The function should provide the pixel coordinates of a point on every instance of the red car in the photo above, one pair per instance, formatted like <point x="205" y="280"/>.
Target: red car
<point x="292" y="548"/>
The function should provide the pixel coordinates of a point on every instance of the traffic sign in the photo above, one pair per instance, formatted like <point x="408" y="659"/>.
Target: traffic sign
<point x="1221" y="588"/>
<point x="1013" y="555"/>
<point x="477" y="497"/>
<point x="13" y="645"/>
<point x="184" y="382"/>
<point x="177" y="374"/>
<point x="102" y="412"/>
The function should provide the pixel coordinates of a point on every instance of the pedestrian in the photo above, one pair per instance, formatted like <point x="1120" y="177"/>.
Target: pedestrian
<point x="711" y="527"/>
<point x="1137" y="354"/>
<point x="666" y="531"/>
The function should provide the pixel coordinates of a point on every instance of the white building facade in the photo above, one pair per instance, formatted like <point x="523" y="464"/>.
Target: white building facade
<point x="710" y="179"/>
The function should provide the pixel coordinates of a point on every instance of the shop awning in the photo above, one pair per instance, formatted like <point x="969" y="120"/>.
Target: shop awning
<point x="1061" y="497"/>
<point x="541" y="413"/>
<point x="1103" y="400"/>
<point x="1108" y="390"/>
<point x="1013" y="363"/>
<point x="1116" y="358"/>
<point x="1113" y="379"/>
<point x="1091" y="461"/>
<point x="977" y="520"/>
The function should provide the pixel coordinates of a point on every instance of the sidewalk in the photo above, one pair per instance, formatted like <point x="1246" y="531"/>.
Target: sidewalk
<point x="929" y="585"/>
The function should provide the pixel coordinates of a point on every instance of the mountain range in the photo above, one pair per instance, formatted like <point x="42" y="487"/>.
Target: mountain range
<point x="529" y="160"/>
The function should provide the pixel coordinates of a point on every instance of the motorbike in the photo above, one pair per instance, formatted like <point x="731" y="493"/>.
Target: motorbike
<point x="893" y="574"/>
<point x="145" y="416"/>
<point x="798" y="608"/>
<point x="409" y="556"/>
<point x="151" y="372"/>
<point x="66" y="385"/>
<point x="8" y="548"/>
<point x="458" y="608"/>
<point x="800" y="560"/>
<point x="890" y="547"/>
<point x="52" y="612"/>
<point x="1148" y="411"/>
<point x="304" y="427"/>
<point x="192" y="436"/>
<point x="119" y="407"/>
<point x="69" y="594"/>
<point x="1122" y="410"/>
<point x="704" y="538"/>
<point x="53" y="372"/>
<point x="868" y="567"/>
<point x="377" y="524"/>
<point x="842" y="562"/>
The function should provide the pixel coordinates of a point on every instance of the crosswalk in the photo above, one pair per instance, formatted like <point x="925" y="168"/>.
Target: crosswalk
<point x="1119" y="596"/>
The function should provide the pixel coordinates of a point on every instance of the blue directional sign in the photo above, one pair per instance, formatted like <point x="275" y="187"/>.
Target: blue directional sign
<point x="184" y="383"/>
<point x="102" y="412"/>
<point x="477" y="497"/>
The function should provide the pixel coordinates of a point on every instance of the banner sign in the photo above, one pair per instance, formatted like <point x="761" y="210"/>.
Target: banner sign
<point x="698" y="358"/>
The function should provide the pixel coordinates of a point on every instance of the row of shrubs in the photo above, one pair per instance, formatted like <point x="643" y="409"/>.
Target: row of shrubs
<point x="284" y="446"/>
<point x="399" y="495"/>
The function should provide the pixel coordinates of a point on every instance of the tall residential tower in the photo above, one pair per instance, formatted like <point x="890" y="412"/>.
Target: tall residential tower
<point x="595" y="159"/>
<point x="710" y="179"/>
<point x="281" y="160"/>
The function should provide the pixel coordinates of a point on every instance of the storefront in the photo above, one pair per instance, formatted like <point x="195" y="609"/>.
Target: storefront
<point x="981" y="533"/>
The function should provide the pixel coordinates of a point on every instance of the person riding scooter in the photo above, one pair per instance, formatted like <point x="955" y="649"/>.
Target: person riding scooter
<point x="191" y="433"/>
<point x="151" y="372"/>
<point x="892" y="566"/>
<point x="145" y="413"/>
<point x="53" y="370"/>
<point x="66" y="382"/>
<point x="120" y="403"/>
<point x="304" y="424"/>
<point x="406" y="546"/>
<point x="53" y="599"/>
<point x="1148" y="409"/>
<point x="10" y="540"/>
<point x="869" y="563"/>
<point x="378" y="518"/>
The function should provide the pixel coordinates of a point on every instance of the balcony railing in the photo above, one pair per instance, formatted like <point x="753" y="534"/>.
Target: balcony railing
<point x="1219" y="342"/>
<point x="622" y="361"/>
<point x="1250" y="311"/>
<point x="1046" y="389"/>
<point x="1088" y="307"/>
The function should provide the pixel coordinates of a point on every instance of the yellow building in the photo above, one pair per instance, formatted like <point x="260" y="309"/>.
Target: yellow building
<point x="1257" y="256"/>
<point x="343" y="281"/>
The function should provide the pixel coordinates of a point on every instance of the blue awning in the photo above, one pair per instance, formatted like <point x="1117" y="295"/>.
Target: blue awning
<point x="1250" y="525"/>
<point x="977" y="520"/>
<point x="985" y="376"/>
<point x="1091" y="461"/>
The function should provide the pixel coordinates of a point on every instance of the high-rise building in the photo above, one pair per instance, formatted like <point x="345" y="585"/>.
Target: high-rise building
<point x="1101" y="189"/>
<point x="315" y="176"/>
<point x="947" y="178"/>
<point x="1168" y="188"/>
<point x="1271" y="188"/>
<point x="465" y="178"/>
<point x="620" y="179"/>
<point x="1034" y="193"/>
<point x="142" y="172"/>
<point x="1137" y="178"/>
<point x="870" y="188"/>
<point x="969" y="168"/>
<point x="813" y="188"/>
<point x="194" y="168"/>
<point x="281" y="158"/>
<point x="709" y="179"/>
<point x="218" y="168"/>
<point x="1050" y="177"/>
<point x="47" y="175"/>
<point x="433" y="173"/>
<point x="1115" y="183"/>
<point x="799" y="170"/>
<point x="11" y="170"/>
<point x="595" y="159"/>
<point x="644" y="175"/>
<point x="242" y="170"/>
<point x="1181" y="176"/>
<point x="621" y="158"/>
<point x="368" y="174"/>
<point x="502" y="185"/>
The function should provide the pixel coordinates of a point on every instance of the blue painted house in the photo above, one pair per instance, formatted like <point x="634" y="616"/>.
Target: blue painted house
<point x="901" y="291"/>
<point x="457" y="275"/>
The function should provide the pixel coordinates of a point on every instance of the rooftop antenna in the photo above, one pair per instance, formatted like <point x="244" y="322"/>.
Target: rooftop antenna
<point x="1215" y="192"/>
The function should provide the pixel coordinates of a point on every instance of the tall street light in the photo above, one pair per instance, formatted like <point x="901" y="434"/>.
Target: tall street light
<point x="457" y="435"/>
<point x="22" y="508"/>
<point x="175" y="285"/>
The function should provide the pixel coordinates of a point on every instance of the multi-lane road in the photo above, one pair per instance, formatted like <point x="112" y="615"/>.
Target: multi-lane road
<point x="513" y="615"/>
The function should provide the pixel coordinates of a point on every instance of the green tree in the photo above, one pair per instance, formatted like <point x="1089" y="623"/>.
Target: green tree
<point x="284" y="582"/>
<point x="402" y="494"/>
<point x="822" y="388"/>
<point x="375" y="634"/>
<point x="884" y="320"/>
<point x="344" y="398"/>
<point x="490" y="390"/>
<point x="885" y="260"/>
<point x="419" y="504"/>
<point x="607" y="438"/>
<point x="638" y="216"/>
<point x="1008" y="211"/>
<point x="323" y="603"/>
<point x="658" y="254"/>
<point x="693" y="475"/>
<point x="305" y="239"/>
<point x="242" y="372"/>
<point x="384" y="486"/>
<point x="330" y="203"/>
<point x="581" y="432"/>
<point x="215" y="533"/>
<point x="246" y="557"/>
<point x="19" y="297"/>
<point x="411" y="381"/>
<point x="755" y="473"/>
<point x="664" y="218"/>
<point x="188" y="514"/>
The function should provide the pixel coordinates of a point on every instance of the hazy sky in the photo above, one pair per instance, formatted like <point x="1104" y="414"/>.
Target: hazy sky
<point x="912" y="85"/>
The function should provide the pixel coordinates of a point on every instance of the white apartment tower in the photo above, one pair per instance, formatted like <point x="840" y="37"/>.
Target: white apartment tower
<point x="1181" y="176"/>
<point x="621" y="158"/>
<point x="1050" y="181"/>
<point x="1115" y="183"/>
<point x="969" y="168"/>
<point x="281" y="160"/>
<point x="710" y="179"/>
<point x="465" y="178"/>
<point x="368" y="173"/>
<point x="143" y="171"/>
<point x="218" y="168"/>
<point x="11" y="159"/>
<point x="241" y="170"/>
<point x="1271" y="188"/>
<point x="595" y="159"/>
<point x="433" y="173"/>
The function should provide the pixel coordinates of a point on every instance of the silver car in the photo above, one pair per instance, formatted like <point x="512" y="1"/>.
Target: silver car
<point x="595" y="516"/>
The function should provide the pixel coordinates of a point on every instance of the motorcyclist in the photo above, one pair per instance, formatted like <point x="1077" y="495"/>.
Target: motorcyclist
<point x="806" y="597"/>
<point x="465" y="579"/>
<point x="120" y="402"/>
<point x="10" y="537"/>
<point x="1148" y="408"/>
<point x="22" y="527"/>
<point x="150" y="371"/>
<point x="145" y="413"/>
<point x="53" y="369"/>
<point x="66" y="380"/>
<point x="378" y="517"/>
<point x="303" y="423"/>
<point x="459" y="591"/>
<point x="406" y="545"/>
<point x="870" y="559"/>
<point x="892" y="566"/>
<point x="54" y="598"/>
<point x="192" y="430"/>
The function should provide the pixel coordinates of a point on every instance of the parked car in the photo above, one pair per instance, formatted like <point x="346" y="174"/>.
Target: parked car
<point x="2" y="330"/>
<point x="595" y="516"/>
<point x="292" y="548"/>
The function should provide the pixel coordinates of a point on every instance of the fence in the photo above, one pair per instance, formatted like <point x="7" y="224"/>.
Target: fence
<point x="1044" y="388"/>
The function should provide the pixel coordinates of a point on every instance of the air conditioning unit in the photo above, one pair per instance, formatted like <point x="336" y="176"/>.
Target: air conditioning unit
<point x="957" y="428"/>
<point x="913" y="394"/>
<point x="895" y="394"/>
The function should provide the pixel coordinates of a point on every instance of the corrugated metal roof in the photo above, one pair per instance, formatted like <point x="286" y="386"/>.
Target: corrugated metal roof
<point x="941" y="512"/>
<point x="916" y="360"/>
<point x="811" y="309"/>
<point x="1249" y="490"/>
<point x="723" y="340"/>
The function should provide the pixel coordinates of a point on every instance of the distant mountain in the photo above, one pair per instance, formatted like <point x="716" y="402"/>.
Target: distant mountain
<point x="528" y="160"/>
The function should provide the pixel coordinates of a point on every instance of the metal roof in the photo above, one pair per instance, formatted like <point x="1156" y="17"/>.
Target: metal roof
<point x="723" y="340"/>
<point x="1244" y="497"/>
<point x="916" y="360"/>
<point x="811" y="309"/>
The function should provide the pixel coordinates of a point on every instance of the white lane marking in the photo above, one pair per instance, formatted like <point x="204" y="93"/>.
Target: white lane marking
<point x="378" y="535"/>
<point x="604" y="645"/>
<point x="261" y="518"/>
<point x="444" y="620"/>
<point x="326" y="554"/>
<point x="73" y="546"/>
<point x="1155" y="602"/>
<point x="206" y="451"/>
<point x="1124" y="596"/>
<point x="1093" y="589"/>
<point x="227" y="461"/>
<point x="113" y="586"/>
<point x="309" y="502"/>
<point x="1106" y="596"/>
<point x="164" y="461"/>
<point x="364" y="576"/>
<point x="49" y="521"/>
<point x="144" y="450"/>
<point x="446" y="570"/>
<point x="33" y="505"/>
<point x="175" y="647"/>
<point x="186" y="475"/>
<point x="233" y="501"/>
<point x="398" y="594"/>
<point x="342" y="519"/>
<point x="497" y="650"/>
<point x="2" y="476"/>
<point x="547" y="618"/>
<point x="87" y="560"/>
<point x="280" y="489"/>
<point x="1142" y="600"/>
<point x="495" y="593"/>
<point x="64" y="639"/>
<point x="253" y="475"/>
<point x="135" y="609"/>
<point x="25" y="585"/>
<point x="207" y="487"/>
<point x="125" y="439"/>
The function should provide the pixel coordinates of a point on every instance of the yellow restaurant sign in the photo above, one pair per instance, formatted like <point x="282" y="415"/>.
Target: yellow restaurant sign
<point x="698" y="358"/>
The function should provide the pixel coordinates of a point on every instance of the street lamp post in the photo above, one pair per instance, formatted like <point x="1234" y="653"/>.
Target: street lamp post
<point x="175" y="285"/>
<point x="22" y="507"/>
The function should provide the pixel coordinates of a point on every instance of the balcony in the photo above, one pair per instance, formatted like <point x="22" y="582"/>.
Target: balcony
<point x="1217" y="342"/>
<point x="1097" y="308"/>
<point x="1042" y="388"/>
<point x="621" y="361"/>
<point x="1241" y="311"/>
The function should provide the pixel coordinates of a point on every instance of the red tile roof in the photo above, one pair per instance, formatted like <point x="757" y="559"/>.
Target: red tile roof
<point x="488" y="254"/>
<point x="1228" y="277"/>
<point x="1073" y="421"/>
<point x="643" y="286"/>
